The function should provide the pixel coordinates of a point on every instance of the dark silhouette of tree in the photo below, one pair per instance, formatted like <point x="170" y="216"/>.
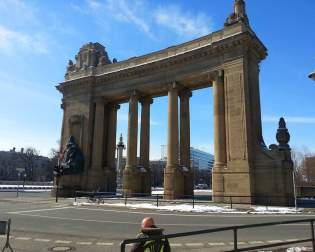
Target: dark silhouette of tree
<point x="29" y="157"/>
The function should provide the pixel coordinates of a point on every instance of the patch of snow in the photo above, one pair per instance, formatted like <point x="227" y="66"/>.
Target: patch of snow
<point x="197" y="208"/>
<point x="278" y="210"/>
<point x="298" y="249"/>
<point x="176" y="208"/>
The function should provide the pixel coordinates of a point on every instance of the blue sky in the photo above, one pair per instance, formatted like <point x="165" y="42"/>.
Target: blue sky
<point x="38" y="37"/>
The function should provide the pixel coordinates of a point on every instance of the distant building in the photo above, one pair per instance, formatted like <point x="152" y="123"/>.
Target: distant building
<point x="201" y="160"/>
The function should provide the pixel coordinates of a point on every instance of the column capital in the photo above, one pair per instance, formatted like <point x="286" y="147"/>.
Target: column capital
<point x="217" y="75"/>
<point x="134" y="94"/>
<point x="99" y="99"/>
<point x="185" y="93"/>
<point x="146" y="100"/>
<point x="114" y="105"/>
<point x="174" y="86"/>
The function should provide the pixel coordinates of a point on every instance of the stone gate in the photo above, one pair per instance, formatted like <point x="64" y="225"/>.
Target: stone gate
<point x="228" y="61"/>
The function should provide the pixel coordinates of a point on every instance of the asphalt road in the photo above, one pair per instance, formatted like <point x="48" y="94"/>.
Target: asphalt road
<point x="39" y="224"/>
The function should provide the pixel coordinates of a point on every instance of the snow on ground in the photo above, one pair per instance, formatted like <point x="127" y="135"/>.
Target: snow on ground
<point x="197" y="208"/>
<point x="160" y="191"/>
<point x="25" y="188"/>
<point x="281" y="210"/>
<point x="298" y="249"/>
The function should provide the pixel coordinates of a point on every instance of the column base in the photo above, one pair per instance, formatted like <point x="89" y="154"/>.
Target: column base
<point x="136" y="182"/>
<point x="102" y="180"/>
<point x="218" y="183"/>
<point x="174" y="182"/>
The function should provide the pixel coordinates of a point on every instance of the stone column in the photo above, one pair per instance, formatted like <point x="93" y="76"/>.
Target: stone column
<point x="185" y="141"/>
<point x="132" y="132"/>
<point x="173" y="181"/>
<point x="111" y="142"/>
<point x="99" y="134"/>
<point x="219" y="137"/>
<point x="111" y="147"/>
<point x="130" y="184"/>
<point x="145" y="132"/>
<point x="145" y="145"/>
<point x="184" y="128"/>
<point x="96" y="173"/>
<point x="62" y="139"/>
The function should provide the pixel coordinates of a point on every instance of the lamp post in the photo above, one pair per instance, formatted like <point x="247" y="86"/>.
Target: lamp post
<point x="312" y="75"/>
<point x="19" y="170"/>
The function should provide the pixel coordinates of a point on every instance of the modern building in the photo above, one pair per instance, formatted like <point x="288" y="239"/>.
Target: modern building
<point x="201" y="160"/>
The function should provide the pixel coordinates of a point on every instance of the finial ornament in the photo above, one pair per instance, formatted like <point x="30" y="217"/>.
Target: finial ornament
<point x="283" y="136"/>
<point x="238" y="15"/>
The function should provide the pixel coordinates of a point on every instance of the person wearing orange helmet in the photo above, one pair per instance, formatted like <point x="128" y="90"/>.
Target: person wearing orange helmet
<point x="148" y="229"/>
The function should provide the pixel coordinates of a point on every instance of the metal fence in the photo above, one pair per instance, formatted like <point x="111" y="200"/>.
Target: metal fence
<point x="158" y="199"/>
<point x="234" y="230"/>
<point x="5" y="228"/>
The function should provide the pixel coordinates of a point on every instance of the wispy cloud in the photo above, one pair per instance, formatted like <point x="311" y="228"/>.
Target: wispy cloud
<point x="181" y="22"/>
<point x="18" y="12"/>
<point x="289" y="119"/>
<point x="143" y="16"/>
<point x="11" y="40"/>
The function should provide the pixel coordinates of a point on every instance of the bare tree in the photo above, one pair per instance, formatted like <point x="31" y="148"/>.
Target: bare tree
<point x="304" y="167"/>
<point x="29" y="157"/>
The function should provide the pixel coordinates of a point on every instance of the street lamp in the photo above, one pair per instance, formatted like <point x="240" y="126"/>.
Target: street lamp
<point x="312" y="75"/>
<point x="19" y="170"/>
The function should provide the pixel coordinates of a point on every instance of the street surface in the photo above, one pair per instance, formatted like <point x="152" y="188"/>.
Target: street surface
<point x="39" y="224"/>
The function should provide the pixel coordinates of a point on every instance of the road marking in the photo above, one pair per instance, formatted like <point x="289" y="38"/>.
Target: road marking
<point x="216" y="243"/>
<point x="255" y="242"/>
<point x="292" y="240"/>
<point x="105" y="244"/>
<point x="238" y="243"/>
<point x="116" y="222"/>
<point x="23" y="238"/>
<point x="41" y="240"/>
<point x="63" y="242"/>
<point x="197" y="244"/>
<point x="39" y="210"/>
<point x="274" y="241"/>
<point x="176" y="244"/>
<point x="84" y="243"/>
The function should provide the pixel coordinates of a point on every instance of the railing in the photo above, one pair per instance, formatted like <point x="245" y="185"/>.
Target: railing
<point x="158" y="199"/>
<point x="5" y="228"/>
<point x="235" y="235"/>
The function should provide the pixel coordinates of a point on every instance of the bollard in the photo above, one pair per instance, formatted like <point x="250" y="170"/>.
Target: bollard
<point x="312" y="230"/>
<point x="231" y="204"/>
<point x="235" y="239"/>
<point x="157" y="200"/>
<point x="193" y="198"/>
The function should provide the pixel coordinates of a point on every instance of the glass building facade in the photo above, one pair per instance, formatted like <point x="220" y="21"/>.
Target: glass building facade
<point x="201" y="160"/>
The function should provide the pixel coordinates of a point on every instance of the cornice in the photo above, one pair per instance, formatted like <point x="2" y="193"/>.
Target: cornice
<point x="246" y="38"/>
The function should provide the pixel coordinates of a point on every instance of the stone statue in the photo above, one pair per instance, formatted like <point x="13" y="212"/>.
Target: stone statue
<point x="238" y="15"/>
<point x="71" y="66"/>
<point x="72" y="161"/>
